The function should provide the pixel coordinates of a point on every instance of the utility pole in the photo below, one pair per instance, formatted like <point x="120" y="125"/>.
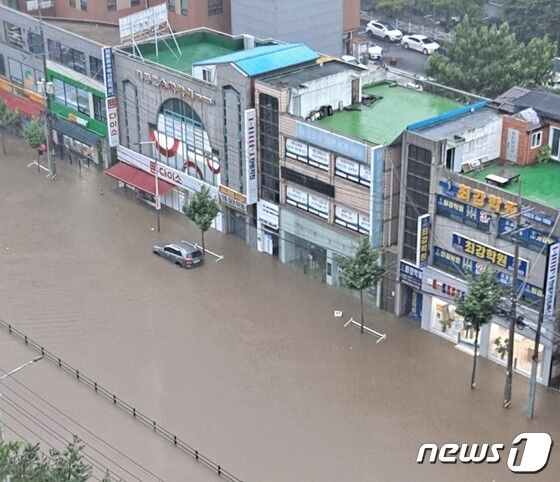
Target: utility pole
<point x="513" y="307"/>
<point x="546" y="310"/>
<point x="50" y="159"/>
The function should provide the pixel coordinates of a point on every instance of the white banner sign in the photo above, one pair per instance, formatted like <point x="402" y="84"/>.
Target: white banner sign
<point x="296" y="197"/>
<point x="318" y="206"/>
<point x="251" y="187"/>
<point x="346" y="217"/>
<point x="268" y="213"/>
<point x="318" y="158"/>
<point x="146" y="21"/>
<point x="296" y="149"/>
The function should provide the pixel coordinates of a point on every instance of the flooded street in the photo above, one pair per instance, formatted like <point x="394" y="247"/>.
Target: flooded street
<point x="242" y="358"/>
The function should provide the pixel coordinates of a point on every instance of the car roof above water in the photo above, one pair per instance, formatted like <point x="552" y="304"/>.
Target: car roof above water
<point x="188" y="247"/>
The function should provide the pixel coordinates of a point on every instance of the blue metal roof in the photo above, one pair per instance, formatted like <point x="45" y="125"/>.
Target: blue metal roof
<point x="265" y="58"/>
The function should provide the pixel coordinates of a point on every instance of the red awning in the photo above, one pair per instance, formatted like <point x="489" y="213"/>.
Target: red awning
<point x="21" y="104"/>
<point x="138" y="179"/>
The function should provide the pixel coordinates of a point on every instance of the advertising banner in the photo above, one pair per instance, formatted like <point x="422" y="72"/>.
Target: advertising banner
<point x="410" y="275"/>
<point x="110" y="97"/>
<point x="423" y="240"/>
<point x="251" y="187"/>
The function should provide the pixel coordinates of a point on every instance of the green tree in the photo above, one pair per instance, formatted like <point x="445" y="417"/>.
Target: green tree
<point x="479" y="304"/>
<point x="361" y="271"/>
<point x="489" y="60"/>
<point x="391" y="7"/>
<point x="533" y="18"/>
<point x="8" y="118"/>
<point x="34" y="135"/>
<point x="201" y="209"/>
<point x="26" y="463"/>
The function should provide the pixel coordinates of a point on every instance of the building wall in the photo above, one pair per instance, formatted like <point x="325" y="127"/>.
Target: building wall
<point x="352" y="10"/>
<point x="520" y="126"/>
<point x="317" y="23"/>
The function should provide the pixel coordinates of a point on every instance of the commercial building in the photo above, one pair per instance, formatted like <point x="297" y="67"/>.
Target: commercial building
<point x="457" y="212"/>
<point x="326" y="164"/>
<point x="185" y="105"/>
<point x="77" y="101"/>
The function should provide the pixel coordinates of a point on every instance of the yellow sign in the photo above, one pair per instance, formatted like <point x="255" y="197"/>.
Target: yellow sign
<point x="479" y="198"/>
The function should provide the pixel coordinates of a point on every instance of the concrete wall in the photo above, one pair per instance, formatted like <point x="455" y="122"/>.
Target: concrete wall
<point x="318" y="23"/>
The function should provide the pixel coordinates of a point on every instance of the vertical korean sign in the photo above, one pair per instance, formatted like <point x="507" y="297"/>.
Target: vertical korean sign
<point x="110" y="96"/>
<point x="423" y="241"/>
<point x="251" y="156"/>
<point x="551" y="279"/>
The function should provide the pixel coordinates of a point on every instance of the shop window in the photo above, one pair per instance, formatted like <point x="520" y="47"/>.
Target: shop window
<point x="35" y="43"/>
<point x="536" y="139"/>
<point x="449" y="324"/>
<point x="215" y="7"/>
<point x="523" y="348"/>
<point x="14" y="36"/>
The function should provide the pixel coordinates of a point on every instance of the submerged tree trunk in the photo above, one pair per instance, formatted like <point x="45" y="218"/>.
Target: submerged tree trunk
<point x="3" y="145"/>
<point x="361" y="312"/>
<point x="473" y="377"/>
<point x="203" y="247"/>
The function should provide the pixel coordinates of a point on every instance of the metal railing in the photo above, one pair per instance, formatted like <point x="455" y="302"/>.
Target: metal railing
<point x="118" y="402"/>
<point x="433" y="32"/>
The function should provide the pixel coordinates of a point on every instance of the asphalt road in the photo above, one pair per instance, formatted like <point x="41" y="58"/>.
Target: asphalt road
<point x="408" y="60"/>
<point x="242" y="358"/>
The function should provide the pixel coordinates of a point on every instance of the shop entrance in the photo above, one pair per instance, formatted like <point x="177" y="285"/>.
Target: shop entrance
<point x="447" y="323"/>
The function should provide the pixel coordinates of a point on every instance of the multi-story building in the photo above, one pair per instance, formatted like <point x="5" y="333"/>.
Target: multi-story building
<point x="326" y="164"/>
<point x="457" y="218"/>
<point x="186" y="105"/>
<point x="75" y="69"/>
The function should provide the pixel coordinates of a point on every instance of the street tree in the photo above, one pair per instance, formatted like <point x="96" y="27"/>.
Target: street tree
<point x="361" y="271"/>
<point x="202" y="210"/>
<point x="8" y="118"/>
<point x="533" y="18"/>
<point x="489" y="60"/>
<point x="478" y="305"/>
<point x="391" y="7"/>
<point x="21" y="462"/>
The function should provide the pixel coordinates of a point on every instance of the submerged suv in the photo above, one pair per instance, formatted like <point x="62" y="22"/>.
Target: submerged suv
<point x="183" y="254"/>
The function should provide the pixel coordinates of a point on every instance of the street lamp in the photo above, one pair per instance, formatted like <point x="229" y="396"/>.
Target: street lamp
<point x="156" y="175"/>
<point x="9" y="374"/>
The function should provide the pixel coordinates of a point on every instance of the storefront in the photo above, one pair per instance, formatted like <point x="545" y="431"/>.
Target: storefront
<point x="268" y="224"/>
<point x="72" y="143"/>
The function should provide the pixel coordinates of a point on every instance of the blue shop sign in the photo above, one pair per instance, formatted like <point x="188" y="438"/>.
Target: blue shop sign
<point x="410" y="275"/>
<point x="489" y="254"/>
<point x="467" y="214"/>
<point x="530" y="236"/>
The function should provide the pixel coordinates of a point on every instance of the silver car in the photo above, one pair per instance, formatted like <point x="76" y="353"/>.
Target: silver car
<point x="183" y="254"/>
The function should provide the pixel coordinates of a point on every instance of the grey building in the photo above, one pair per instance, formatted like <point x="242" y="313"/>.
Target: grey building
<point x="317" y="23"/>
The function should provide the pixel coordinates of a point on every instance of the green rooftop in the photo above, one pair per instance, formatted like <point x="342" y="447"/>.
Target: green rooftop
<point x="194" y="46"/>
<point x="539" y="182"/>
<point x="385" y="119"/>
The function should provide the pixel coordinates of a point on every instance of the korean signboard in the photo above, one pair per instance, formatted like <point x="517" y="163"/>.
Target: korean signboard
<point x="308" y="154"/>
<point x="551" y="279"/>
<point x="232" y="198"/>
<point x="529" y="236"/>
<point x="308" y="202"/>
<point x="448" y="260"/>
<point x="477" y="197"/>
<point x="489" y="254"/>
<point x="410" y="275"/>
<point x="251" y="187"/>
<point x="268" y="214"/>
<point x="462" y="212"/>
<point x="423" y="240"/>
<point x="351" y="219"/>
<point x="110" y="97"/>
<point x="352" y="170"/>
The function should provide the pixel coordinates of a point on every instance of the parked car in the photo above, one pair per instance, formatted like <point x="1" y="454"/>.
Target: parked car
<point x="183" y="254"/>
<point x="384" y="31"/>
<point x="421" y="43"/>
<point x="375" y="52"/>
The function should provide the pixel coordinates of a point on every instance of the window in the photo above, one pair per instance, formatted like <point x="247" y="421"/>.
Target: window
<point x="184" y="7"/>
<point x="215" y="7"/>
<point x="13" y="35"/>
<point x="111" y="5"/>
<point x="99" y="112"/>
<point x="554" y="142"/>
<point x="2" y="66"/>
<point x="15" y="71"/>
<point x="83" y="5"/>
<point x="171" y="5"/>
<point x="536" y="139"/>
<point x="59" y="91"/>
<point x="72" y="3"/>
<point x="96" y="68"/>
<point x="35" y="43"/>
<point x="269" y="148"/>
<point x="71" y="96"/>
<point x="133" y="3"/>
<point x="83" y="101"/>
<point x="67" y="56"/>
